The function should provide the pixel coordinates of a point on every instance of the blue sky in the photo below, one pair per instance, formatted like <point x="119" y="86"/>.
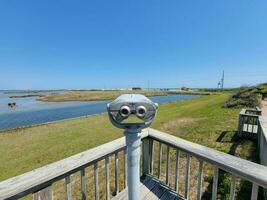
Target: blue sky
<point x="120" y="43"/>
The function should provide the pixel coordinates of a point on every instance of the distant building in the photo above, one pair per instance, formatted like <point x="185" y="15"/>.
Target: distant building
<point x="136" y="88"/>
<point x="184" y="88"/>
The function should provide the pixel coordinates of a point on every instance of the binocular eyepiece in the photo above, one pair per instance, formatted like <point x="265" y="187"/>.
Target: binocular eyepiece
<point x="140" y="111"/>
<point x="132" y="104"/>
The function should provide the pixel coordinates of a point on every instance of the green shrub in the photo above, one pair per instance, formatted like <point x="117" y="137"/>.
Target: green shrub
<point x="247" y="97"/>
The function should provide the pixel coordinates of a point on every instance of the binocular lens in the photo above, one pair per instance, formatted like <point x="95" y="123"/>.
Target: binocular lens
<point x="141" y="111"/>
<point x="125" y="111"/>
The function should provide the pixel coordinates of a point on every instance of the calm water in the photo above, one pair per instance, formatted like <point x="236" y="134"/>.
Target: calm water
<point x="29" y="111"/>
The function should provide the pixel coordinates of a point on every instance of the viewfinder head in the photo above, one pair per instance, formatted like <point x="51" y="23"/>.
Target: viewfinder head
<point x="128" y="105"/>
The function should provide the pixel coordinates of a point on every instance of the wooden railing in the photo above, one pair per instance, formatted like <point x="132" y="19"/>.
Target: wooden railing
<point x="234" y="166"/>
<point x="39" y="182"/>
<point x="262" y="144"/>
<point x="249" y="122"/>
<point x="173" y="160"/>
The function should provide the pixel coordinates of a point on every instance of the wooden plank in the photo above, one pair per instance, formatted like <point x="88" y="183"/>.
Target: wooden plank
<point x="151" y="156"/>
<point x="44" y="194"/>
<point x="30" y="182"/>
<point x="146" y="156"/>
<point x="146" y="186"/>
<point x="159" y="160"/>
<point x="96" y="185"/>
<point x="215" y="183"/>
<point x="200" y="180"/>
<point x="255" y="190"/>
<point x="167" y="165"/>
<point x="233" y="187"/>
<point x="107" y="178"/>
<point x="116" y="173"/>
<point x="187" y="177"/>
<point x="240" y="125"/>
<point x="243" y="168"/>
<point x="125" y="168"/>
<point x="68" y="187"/>
<point x="176" y="186"/>
<point x="83" y="190"/>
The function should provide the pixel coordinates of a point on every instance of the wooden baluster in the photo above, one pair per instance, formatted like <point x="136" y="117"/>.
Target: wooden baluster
<point x="215" y="183"/>
<point x="125" y="167"/>
<point x="159" y="160"/>
<point x="107" y="178"/>
<point x="151" y="156"/>
<point x="146" y="156"/>
<point x="254" y="193"/>
<point x="116" y="173"/>
<point x="240" y="125"/>
<point x="44" y="194"/>
<point x="200" y="180"/>
<point x="68" y="187"/>
<point x="83" y="184"/>
<point x="233" y="187"/>
<point x="142" y="158"/>
<point x="96" y="181"/>
<point x="168" y="165"/>
<point x="187" y="176"/>
<point x="177" y="171"/>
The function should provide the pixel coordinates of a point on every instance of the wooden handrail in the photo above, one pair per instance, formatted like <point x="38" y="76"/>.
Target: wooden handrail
<point x="43" y="177"/>
<point x="246" y="169"/>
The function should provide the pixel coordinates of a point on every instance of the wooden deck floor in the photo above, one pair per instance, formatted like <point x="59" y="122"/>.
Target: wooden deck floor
<point x="151" y="189"/>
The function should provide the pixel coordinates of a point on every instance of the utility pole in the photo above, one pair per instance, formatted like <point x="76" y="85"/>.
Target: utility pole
<point x="222" y="81"/>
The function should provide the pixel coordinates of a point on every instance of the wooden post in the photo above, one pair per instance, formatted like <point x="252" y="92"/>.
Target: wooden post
<point x="240" y="125"/>
<point x="147" y="156"/>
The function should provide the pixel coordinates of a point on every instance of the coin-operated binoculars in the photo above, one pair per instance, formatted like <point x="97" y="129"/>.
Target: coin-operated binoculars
<point x="143" y="109"/>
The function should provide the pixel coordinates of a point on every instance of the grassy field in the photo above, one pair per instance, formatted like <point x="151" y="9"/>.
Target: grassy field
<point x="106" y="95"/>
<point x="201" y="120"/>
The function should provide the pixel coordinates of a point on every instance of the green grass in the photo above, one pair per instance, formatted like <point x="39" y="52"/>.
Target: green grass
<point x="201" y="120"/>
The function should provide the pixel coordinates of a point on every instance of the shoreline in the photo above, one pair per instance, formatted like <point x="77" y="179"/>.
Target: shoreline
<point x="74" y="118"/>
<point x="87" y="98"/>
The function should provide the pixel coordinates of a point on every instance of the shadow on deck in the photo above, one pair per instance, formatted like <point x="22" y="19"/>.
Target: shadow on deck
<point x="151" y="188"/>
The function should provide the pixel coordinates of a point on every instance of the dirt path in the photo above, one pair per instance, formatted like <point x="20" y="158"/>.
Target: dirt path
<point x="264" y="108"/>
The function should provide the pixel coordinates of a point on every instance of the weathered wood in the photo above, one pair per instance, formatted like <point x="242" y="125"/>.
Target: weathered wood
<point x="200" y="180"/>
<point x="187" y="176"/>
<point x="44" y="194"/>
<point x="107" y="178"/>
<point x="68" y="187"/>
<point x="151" y="156"/>
<point x="159" y="160"/>
<point x="233" y="187"/>
<point x="240" y="125"/>
<point x="116" y="173"/>
<point x="215" y="183"/>
<point x="243" y="168"/>
<point x="83" y="190"/>
<point x="150" y="189"/>
<point x="30" y="182"/>
<point x="176" y="186"/>
<point x="146" y="156"/>
<point x="167" y="165"/>
<point x="125" y="168"/>
<point x="255" y="190"/>
<point x="96" y="185"/>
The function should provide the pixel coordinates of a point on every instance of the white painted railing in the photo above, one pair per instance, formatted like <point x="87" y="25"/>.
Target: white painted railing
<point x="39" y="182"/>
